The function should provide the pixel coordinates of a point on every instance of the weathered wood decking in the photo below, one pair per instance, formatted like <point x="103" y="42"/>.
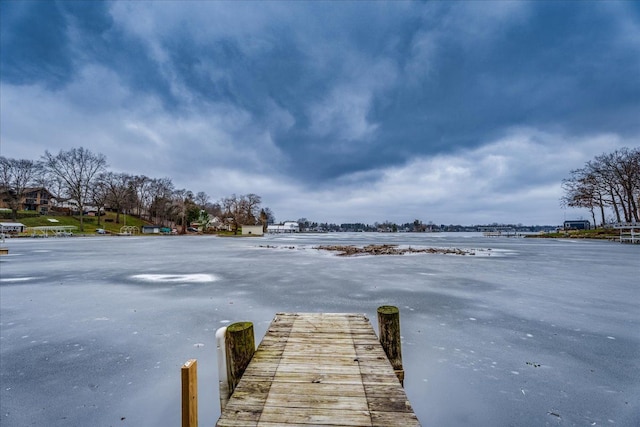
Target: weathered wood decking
<point x="319" y="369"/>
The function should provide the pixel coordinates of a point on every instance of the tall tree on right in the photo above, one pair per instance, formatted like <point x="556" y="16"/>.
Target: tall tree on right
<point x="611" y="181"/>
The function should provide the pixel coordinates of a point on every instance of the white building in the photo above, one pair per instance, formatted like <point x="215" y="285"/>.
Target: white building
<point x="253" y="230"/>
<point x="151" y="229"/>
<point x="11" y="227"/>
<point x="287" y="227"/>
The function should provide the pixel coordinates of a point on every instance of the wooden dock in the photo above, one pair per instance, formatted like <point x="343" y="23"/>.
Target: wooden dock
<point x="319" y="369"/>
<point x="629" y="232"/>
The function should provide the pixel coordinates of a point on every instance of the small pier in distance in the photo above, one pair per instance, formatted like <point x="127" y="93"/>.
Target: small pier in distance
<point x="629" y="232"/>
<point x="317" y="369"/>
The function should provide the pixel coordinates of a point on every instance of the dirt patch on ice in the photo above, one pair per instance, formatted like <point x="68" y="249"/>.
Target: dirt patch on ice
<point x="350" y="250"/>
<point x="391" y="250"/>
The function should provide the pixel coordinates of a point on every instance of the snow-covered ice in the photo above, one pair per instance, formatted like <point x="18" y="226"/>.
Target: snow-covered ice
<point x="93" y="331"/>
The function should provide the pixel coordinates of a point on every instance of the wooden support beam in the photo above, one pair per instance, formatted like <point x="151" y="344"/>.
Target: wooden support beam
<point x="189" y="373"/>
<point x="240" y="346"/>
<point x="389" y="332"/>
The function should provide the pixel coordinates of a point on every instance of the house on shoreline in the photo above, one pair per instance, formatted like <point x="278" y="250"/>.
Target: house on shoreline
<point x="579" y="224"/>
<point x="35" y="199"/>
<point x="286" y="227"/>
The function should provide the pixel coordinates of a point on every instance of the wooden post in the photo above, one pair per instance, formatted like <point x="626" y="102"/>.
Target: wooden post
<point x="240" y="346"/>
<point x="389" y="331"/>
<point x="190" y="393"/>
<point x="223" y="379"/>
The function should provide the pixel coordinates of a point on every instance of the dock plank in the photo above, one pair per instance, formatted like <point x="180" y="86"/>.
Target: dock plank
<point x="320" y="369"/>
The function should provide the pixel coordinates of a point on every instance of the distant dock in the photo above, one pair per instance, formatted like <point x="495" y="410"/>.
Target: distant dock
<point x="629" y="232"/>
<point x="499" y="231"/>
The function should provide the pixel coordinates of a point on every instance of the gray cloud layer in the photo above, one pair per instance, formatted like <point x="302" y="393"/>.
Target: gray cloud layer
<point x="340" y="111"/>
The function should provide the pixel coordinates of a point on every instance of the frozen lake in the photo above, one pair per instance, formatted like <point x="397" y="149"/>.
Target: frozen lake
<point x="532" y="332"/>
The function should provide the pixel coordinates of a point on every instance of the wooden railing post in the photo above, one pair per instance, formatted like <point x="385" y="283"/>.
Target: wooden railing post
<point x="389" y="332"/>
<point x="189" y="373"/>
<point x="240" y="346"/>
<point x="223" y="379"/>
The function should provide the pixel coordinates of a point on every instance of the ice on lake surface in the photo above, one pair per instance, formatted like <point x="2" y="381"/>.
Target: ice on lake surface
<point x="529" y="332"/>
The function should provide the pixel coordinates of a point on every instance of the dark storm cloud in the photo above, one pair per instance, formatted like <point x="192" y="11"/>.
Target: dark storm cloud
<point x="564" y="65"/>
<point x="329" y="95"/>
<point x="34" y="44"/>
<point x="48" y="43"/>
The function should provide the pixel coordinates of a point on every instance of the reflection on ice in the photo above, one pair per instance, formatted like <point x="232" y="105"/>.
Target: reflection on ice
<point x="16" y="279"/>
<point x="175" y="278"/>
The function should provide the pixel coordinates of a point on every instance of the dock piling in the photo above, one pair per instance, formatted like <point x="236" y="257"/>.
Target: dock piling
<point x="389" y="333"/>
<point x="223" y="379"/>
<point x="189" y="373"/>
<point x="240" y="346"/>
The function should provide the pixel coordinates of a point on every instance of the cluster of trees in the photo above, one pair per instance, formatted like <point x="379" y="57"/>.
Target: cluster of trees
<point x="609" y="184"/>
<point x="80" y="177"/>
<point x="416" y="226"/>
<point x="386" y="226"/>
<point x="245" y="209"/>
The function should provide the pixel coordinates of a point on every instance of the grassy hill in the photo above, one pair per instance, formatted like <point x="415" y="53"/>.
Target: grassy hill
<point x="598" y="233"/>
<point x="107" y="222"/>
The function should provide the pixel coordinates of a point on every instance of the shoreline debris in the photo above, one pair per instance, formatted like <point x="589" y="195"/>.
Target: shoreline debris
<point x="349" y="250"/>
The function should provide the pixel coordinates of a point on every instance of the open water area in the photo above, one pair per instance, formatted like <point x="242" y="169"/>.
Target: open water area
<point x="527" y="332"/>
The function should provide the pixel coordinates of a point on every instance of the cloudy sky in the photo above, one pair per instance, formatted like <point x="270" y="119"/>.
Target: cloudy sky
<point x="451" y="112"/>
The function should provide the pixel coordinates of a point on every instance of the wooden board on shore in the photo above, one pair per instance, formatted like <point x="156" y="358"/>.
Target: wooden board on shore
<point x="321" y="369"/>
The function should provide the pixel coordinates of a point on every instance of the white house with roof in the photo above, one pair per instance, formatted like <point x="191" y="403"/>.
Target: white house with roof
<point x="11" y="227"/>
<point x="286" y="227"/>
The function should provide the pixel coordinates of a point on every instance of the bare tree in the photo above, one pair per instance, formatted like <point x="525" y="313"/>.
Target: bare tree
<point x="142" y="186"/>
<point x="609" y="181"/>
<point x="76" y="169"/>
<point x="56" y="187"/>
<point x="214" y="209"/>
<point x="607" y="185"/>
<point x="17" y="176"/>
<point x="161" y="191"/>
<point x="230" y="210"/>
<point x="239" y="210"/>
<point x="266" y="217"/>
<point x="271" y="218"/>
<point x="183" y="202"/>
<point x="581" y="192"/>
<point x="202" y="199"/>
<point x="99" y="194"/>
<point x="251" y="208"/>
<point x="119" y="192"/>
<point x="634" y="158"/>
<point x="626" y="169"/>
